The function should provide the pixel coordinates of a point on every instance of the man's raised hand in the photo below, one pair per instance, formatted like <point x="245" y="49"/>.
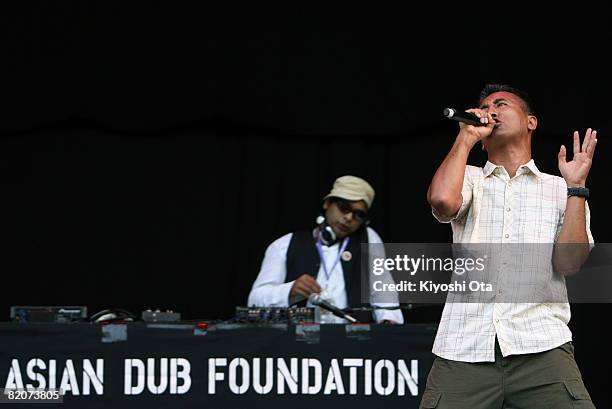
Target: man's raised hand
<point x="576" y="171"/>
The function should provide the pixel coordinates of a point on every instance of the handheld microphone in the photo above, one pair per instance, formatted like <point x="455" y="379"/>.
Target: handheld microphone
<point x="462" y="116"/>
<point x="315" y="299"/>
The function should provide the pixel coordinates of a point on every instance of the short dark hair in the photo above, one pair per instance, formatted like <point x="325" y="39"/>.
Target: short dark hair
<point x="493" y="88"/>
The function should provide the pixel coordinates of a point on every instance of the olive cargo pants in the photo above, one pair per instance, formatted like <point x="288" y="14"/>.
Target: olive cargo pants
<point x="549" y="379"/>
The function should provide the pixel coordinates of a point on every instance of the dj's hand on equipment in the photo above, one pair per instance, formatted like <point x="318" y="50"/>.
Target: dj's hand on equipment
<point x="303" y="286"/>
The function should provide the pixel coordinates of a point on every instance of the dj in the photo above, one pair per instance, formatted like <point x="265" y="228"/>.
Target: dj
<point x="325" y="260"/>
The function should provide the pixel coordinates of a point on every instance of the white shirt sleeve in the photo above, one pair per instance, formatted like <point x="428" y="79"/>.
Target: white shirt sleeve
<point x="270" y="289"/>
<point x="466" y="200"/>
<point x="380" y="314"/>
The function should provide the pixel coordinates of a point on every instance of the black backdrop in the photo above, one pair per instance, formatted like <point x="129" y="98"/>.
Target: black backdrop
<point x="150" y="153"/>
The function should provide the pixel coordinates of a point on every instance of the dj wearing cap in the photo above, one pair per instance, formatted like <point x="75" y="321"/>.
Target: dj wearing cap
<point x="325" y="260"/>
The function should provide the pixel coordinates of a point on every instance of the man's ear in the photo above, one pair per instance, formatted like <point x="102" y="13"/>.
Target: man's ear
<point x="326" y="203"/>
<point x="532" y="123"/>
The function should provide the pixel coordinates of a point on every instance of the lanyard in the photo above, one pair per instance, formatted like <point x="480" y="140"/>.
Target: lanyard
<point x="345" y="243"/>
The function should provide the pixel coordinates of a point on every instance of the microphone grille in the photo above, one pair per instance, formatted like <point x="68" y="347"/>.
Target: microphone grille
<point x="449" y="112"/>
<point x="314" y="298"/>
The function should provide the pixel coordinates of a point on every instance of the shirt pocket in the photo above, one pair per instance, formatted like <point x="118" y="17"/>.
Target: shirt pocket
<point x="540" y="224"/>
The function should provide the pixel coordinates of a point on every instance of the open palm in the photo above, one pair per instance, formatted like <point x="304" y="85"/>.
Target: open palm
<point x="576" y="171"/>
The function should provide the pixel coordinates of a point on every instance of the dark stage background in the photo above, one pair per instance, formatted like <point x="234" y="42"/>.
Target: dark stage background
<point x="149" y="154"/>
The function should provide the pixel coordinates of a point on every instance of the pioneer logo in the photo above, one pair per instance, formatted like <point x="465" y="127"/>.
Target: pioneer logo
<point x="65" y="311"/>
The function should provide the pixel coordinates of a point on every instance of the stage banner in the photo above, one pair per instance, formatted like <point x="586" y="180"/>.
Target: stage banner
<point x="224" y="366"/>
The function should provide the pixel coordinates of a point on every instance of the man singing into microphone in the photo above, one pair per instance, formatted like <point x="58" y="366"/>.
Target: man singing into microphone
<point x="510" y="355"/>
<point x="325" y="260"/>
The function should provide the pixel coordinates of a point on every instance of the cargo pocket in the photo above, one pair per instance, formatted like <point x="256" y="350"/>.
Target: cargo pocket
<point x="579" y="394"/>
<point x="430" y="399"/>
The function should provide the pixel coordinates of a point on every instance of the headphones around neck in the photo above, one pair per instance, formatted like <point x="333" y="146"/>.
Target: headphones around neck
<point x="326" y="232"/>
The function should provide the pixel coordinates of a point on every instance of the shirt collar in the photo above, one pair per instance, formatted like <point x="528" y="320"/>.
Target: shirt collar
<point x="531" y="166"/>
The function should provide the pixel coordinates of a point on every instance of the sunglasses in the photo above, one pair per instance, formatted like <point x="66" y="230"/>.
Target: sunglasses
<point x="345" y="207"/>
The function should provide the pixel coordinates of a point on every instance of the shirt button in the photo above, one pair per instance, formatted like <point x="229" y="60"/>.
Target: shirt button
<point x="508" y="209"/>
<point x="497" y="320"/>
<point x="507" y="235"/>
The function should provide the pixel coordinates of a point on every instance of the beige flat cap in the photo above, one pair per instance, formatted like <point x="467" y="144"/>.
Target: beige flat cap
<point x="352" y="188"/>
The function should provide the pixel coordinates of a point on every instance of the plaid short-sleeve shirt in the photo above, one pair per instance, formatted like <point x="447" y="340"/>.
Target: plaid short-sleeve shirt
<point x="528" y="208"/>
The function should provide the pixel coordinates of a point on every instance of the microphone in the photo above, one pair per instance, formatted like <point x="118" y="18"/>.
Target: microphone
<point x="462" y="116"/>
<point x="316" y="299"/>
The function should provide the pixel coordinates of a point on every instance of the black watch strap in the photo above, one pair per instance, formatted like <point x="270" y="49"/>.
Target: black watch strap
<point x="578" y="191"/>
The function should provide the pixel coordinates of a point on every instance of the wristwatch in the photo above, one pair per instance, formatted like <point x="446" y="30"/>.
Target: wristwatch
<point x="578" y="191"/>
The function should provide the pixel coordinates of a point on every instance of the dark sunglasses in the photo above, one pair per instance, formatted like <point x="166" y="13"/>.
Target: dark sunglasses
<point x="345" y="207"/>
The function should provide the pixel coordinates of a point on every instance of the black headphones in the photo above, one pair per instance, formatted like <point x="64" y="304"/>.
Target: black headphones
<point x="113" y="315"/>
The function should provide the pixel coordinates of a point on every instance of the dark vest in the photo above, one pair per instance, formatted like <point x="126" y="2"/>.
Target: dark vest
<point x="303" y="257"/>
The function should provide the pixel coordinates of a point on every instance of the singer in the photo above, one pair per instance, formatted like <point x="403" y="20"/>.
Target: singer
<point x="324" y="260"/>
<point x="502" y="355"/>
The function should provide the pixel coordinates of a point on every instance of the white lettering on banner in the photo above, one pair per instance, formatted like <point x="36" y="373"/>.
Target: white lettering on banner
<point x="352" y="364"/>
<point x="405" y="377"/>
<point x="163" y="379"/>
<point x="52" y="372"/>
<point x="43" y="375"/>
<point x="286" y="376"/>
<point x="213" y="375"/>
<point x="236" y="375"/>
<point x="308" y="389"/>
<point x="262" y="390"/>
<point x="334" y="379"/>
<point x="14" y="380"/>
<point x="128" y="387"/>
<point x="378" y="377"/>
<point x="384" y="377"/>
<point x="179" y="368"/>
<point x="367" y="377"/>
<point x="176" y="374"/>
<point x="96" y="378"/>
<point x="234" y="387"/>
<point x="36" y="376"/>
<point x="69" y="382"/>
